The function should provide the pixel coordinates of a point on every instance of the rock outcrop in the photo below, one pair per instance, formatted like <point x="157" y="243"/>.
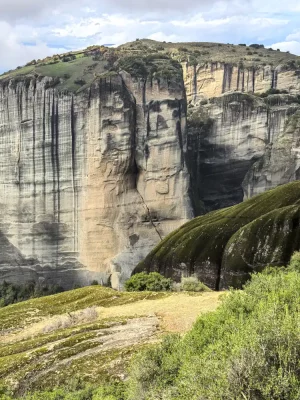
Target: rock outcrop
<point x="89" y="184"/>
<point x="212" y="79"/>
<point x="101" y="159"/>
<point x="223" y="247"/>
<point x="240" y="145"/>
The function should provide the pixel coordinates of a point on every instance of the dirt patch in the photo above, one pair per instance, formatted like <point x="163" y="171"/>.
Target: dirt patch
<point x="177" y="313"/>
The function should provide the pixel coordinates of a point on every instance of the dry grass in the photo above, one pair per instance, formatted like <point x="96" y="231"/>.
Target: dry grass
<point x="177" y="312"/>
<point x="92" y="336"/>
<point x="77" y="318"/>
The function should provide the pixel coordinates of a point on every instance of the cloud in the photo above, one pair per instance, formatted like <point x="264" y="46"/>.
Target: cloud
<point x="292" y="46"/>
<point x="18" y="52"/>
<point x="13" y="10"/>
<point x="294" y="36"/>
<point x="36" y="28"/>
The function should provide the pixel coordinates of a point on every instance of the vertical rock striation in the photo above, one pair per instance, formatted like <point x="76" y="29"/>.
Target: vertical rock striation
<point x="240" y="144"/>
<point x="89" y="183"/>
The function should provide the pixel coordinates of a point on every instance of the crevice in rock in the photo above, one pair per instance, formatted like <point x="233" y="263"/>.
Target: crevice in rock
<point x="149" y="214"/>
<point x="34" y="169"/>
<point x="179" y="133"/>
<point x="73" y="140"/>
<point x="43" y="152"/>
<point x="195" y="83"/>
<point x="134" y="166"/>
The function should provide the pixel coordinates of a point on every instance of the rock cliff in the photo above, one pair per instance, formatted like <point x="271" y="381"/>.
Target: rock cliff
<point x="105" y="152"/>
<point x="89" y="183"/>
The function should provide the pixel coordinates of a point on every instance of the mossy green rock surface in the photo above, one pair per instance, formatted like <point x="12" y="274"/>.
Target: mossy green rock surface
<point x="223" y="247"/>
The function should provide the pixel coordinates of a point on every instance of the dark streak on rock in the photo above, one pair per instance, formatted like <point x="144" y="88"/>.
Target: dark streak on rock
<point x="43" y="152"/>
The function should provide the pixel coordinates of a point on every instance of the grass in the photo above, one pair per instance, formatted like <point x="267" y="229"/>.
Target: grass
<point x="38" y="361"/>
<point x="18" y="315"/>
<point x="162" y="61"/>
<point x="84" y="69"/>
<point x="204" y="52"/>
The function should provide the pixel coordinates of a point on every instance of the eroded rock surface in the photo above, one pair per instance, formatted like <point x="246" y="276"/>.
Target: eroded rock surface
<point x="89" y="183"/>
<point x="240" y="144"/>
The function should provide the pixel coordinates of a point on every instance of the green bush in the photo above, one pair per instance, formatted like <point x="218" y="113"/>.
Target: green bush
<point x="153" y="282"/>
<point x="11" y="293"/>
<point x="192" y="284"/>
<point x="248" y="349"/>
<point x="295" y="262"/>
<point x="159" y="66"/>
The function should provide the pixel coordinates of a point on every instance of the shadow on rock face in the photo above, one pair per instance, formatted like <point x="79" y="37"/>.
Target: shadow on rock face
<point x="51" y="231"/>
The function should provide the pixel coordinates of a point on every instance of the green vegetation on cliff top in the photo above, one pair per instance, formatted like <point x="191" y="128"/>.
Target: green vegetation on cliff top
<point x="74" y="71"/>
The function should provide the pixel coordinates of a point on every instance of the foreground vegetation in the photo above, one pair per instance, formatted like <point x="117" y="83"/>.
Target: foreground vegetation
<point x="249" y="348"/>
<point x="11" y="293"/>
<point x="82" y="340"/>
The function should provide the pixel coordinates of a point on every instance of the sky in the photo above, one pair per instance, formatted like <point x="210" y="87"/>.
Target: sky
<point x="32" y="29"/>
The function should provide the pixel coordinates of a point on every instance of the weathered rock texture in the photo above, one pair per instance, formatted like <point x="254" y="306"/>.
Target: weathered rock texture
<point x="213" y="79"/>
<point x="240" y="144"/>
<point x="89" y="183"/>
<point x="223" y="247"/>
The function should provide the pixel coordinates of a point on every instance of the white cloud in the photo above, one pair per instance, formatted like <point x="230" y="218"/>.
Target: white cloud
<point x="294" y="36"/>
<point x="198" y="21"/>
<point x="36" y="28"/>
<point x="291" y="46"/>
<point x="161" y="37"/>
<point x="16" y="52"/>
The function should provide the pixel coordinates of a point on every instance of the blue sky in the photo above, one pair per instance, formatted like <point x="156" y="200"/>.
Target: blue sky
<point x="36" y="28"/>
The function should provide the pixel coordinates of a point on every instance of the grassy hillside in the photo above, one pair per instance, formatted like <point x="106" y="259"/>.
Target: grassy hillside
<point x="75" y="71"/>
<point x="230" y="243"/>
<point x="87" y="334"/>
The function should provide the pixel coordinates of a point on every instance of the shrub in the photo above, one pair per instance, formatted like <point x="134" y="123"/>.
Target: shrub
<point x="151" y="282"/>
<point x="295" y="262"/>
<point x="273" y="91"/>
<point x="192" y="284"/>
<point x="11" y="293"/>
<point x="80" y="82"/>
<point x="257" y="46"/>
<point x="248" y="349"/>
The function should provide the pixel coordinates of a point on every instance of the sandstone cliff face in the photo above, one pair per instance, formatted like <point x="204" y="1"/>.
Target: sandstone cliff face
<point x="240" y="144"/>
<point x="89" y="183"/>
<point x="215" y="78"/>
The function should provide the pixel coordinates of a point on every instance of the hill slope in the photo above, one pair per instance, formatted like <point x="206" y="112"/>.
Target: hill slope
<point x="77" y="69"/>
<point x="88" y="333"/>
<point x="223" y="247"/>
